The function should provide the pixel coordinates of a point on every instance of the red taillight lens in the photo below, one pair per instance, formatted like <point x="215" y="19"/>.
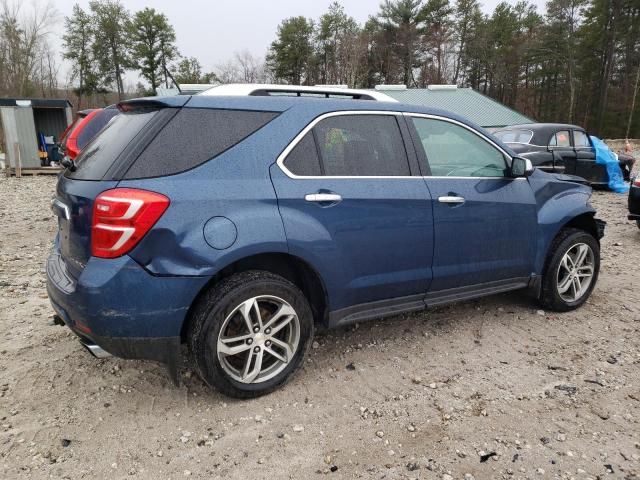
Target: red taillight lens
<point x="636" y="181"/>
<point x="121" y="217"/>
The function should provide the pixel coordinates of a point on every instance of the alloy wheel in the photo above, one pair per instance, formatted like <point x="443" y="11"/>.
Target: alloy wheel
<point x="575" y="272"/>
<point x="258" y="339"/>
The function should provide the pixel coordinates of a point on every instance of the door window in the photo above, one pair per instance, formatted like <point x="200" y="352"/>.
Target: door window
<point x="303" y="160"/>
<point x="560" y="139"/>
<point x="361" y="145"/>
<point x="580" y="139"/>
<point x="455" y="151"/>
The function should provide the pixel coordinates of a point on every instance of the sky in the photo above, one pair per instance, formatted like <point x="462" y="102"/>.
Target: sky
<point x="214" y="30"/>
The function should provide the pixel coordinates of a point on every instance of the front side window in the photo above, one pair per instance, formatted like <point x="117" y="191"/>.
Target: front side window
<point x="580" y="139"/>
<point x="560" y="139"/>
<point x="455" y="151"/>
<point x="361" y="145"/>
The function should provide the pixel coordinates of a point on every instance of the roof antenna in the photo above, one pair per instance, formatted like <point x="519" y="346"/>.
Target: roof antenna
<point x="168" y="74"/>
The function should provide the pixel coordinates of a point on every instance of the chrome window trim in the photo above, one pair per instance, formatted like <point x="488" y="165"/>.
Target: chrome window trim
<point x="282" y="157"/>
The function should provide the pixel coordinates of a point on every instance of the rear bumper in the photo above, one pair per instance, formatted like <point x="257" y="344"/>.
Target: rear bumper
<point x="117" y="305"/>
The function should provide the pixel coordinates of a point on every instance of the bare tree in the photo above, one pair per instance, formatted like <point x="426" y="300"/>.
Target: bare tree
<point x="23" y="39"/>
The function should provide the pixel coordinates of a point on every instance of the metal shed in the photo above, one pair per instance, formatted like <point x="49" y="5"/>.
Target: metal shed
<point x="22" y="120"/>
<point x="466" y="102"/>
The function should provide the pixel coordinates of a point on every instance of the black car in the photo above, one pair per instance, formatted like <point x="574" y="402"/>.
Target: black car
<point x="560" y="147"/>
<point x="634" y="201"/>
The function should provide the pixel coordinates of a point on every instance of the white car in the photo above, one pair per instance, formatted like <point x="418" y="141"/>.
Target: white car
<point x="321" y="91"/>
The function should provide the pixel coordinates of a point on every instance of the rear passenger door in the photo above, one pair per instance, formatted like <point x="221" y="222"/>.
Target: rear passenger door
<point x="485" y="222"/>
<point x="563" y="152"/>
<point x="355" y="207"/>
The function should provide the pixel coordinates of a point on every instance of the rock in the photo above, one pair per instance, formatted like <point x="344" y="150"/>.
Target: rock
<point x="187" y="473"/>
<point x="446" y="476"/>
<point x="413" y="466"/>
<point x="159" y="453"/>
<point x="298" y="428"/>
<point x="411" y="428"/>
<point x="416" y="380"/>
<point x="541" y="313"/>
<point x="65" y="442"/>
<point x="334" y="468"/>
<point x="315" y="345"/>
<point x="351" y="366"/>
<point x="380" y="433"/>
<point x="561" y="437"/>
<point x="433" y="385"/>
<point x="468" y="476"/>
<point x="540" y="471"/>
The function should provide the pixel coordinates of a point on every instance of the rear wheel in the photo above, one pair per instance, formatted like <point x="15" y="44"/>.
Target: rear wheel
<point x="249" y="334"/>
<point x="571" y="270"/>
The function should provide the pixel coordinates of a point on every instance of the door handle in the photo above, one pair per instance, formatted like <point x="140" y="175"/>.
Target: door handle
<point x="450" y="199"/>
<point x="323" y="197"/>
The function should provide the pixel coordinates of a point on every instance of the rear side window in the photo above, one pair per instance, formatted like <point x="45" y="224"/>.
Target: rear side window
<point x="361" y="145"/>
<point x="194" y="136"/>
<point x="95" y="125"/>
<point x="560" y="139"/>
<point x="94" y="161"/>
<point x="303" y="159"/>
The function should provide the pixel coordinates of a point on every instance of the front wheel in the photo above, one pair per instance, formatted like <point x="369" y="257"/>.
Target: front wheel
<point x="571" y="270"/>
<point x="249" y="334"/>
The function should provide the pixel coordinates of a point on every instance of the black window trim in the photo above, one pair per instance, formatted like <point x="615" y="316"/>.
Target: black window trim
<point x="397" y="115"/>
<point x="419" y="147"/>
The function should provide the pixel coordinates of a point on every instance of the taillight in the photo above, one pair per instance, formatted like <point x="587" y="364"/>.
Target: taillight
<point x="636" y="181"/>
<point x="121" y="217"/>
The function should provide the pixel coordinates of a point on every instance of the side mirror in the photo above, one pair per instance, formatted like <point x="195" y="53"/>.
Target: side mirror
<point x="521" y="167"/>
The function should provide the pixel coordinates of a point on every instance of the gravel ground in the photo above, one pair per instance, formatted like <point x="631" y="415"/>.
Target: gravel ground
<point x="494" y="388"/>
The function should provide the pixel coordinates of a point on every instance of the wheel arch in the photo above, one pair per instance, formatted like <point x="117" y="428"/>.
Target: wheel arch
<point x="291" y="267"/>
<point x="583" y="220"/>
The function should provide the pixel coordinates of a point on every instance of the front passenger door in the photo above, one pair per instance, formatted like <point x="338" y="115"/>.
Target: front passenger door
<point x="485" y="222"/>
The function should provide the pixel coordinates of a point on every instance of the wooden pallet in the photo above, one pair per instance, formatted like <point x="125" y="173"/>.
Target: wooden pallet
<point x="34" y="171"/>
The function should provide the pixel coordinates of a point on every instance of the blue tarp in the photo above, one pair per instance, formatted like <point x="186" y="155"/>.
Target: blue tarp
<point x="605" y="156"/>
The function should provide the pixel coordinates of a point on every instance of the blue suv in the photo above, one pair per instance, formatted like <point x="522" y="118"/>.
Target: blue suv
<point x="237" y="225"/>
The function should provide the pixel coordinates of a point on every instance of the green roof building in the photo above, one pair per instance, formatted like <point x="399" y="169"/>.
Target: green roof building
<point x="465" y="102"/>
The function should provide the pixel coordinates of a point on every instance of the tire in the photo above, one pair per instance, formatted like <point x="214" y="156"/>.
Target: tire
<point x="225" y="312"/>
<point x="638" y="223"/>
<point x="556" y="274"/>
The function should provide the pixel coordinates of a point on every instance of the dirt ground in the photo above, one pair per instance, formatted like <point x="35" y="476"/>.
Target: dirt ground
<point x="494" y="388"/>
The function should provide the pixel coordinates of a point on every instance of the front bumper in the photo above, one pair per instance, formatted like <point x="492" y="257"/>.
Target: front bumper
<point x="600" y="226"/>
<point x="117" y="305"/>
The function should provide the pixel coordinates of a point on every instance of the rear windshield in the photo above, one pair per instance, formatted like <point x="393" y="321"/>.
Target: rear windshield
<point x="94" y="161"/>
<point x="194" y="136"/>
<point x="95" y="125"/>
<point x="514" y="136"/>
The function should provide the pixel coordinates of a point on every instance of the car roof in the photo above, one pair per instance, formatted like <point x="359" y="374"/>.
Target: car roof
<point x="313" y="107"/>
<point x="258" y="89"/>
